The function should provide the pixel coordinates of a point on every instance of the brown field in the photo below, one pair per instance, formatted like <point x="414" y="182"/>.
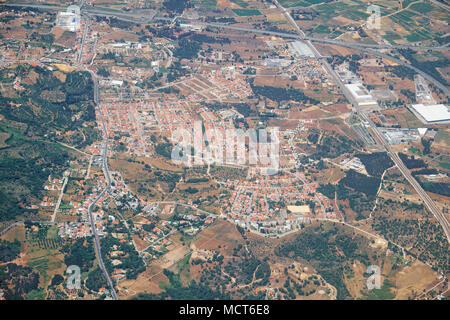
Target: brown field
<point x="413" y="278"/>
<point x="220" y="233"/>
<point x="331" y="175"/>
<point x="140" y="244"/>
<point x="309" y="113"/>
<point x="18" y="232"/>
<point x="146" y="282"/>
<point x="162" y="164"/>
<point x="3" y="137"/>
<point x="358" y="281"/>
<point x="443" y="138"/>
<point x="405" y="118"/>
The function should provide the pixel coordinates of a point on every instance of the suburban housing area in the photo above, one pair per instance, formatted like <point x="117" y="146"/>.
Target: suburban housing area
<point x="232" y="149"/>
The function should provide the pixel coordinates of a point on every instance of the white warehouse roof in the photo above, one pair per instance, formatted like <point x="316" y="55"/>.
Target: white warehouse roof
<point x="302" y="49"/>
<point x="431" y="112"/>
<point x="359" y="92"/>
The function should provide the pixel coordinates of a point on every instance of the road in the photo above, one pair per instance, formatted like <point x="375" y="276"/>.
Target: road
<point x="142" y="19"/>
<point x="429" y="203"/>
<point x="83" y="40"/>
<point x="4" y="231"/>
<point x="440" y="4"/>
<point x="66" y="178"/>
<point x="366" y="47"/>
<point x="369" y="48"/>
<point x="108" y="186"/>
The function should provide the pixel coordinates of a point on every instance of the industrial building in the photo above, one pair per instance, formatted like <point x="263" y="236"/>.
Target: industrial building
<point x="431" y="113"/>
<point x="302" y="49"/>
<point x="68" y="20"/>
<point x="361" y="96"/>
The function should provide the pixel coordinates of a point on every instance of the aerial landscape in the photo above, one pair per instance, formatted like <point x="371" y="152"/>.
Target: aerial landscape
<point x="224" y="150"/>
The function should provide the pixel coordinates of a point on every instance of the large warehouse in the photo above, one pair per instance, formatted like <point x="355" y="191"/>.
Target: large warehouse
<point x="431" y="113"/>
<point x="362" y="97"/>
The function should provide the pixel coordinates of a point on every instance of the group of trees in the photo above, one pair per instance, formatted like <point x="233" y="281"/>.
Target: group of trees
<point x="176" y="291"/>
<point x="9" y="250"/>
<point x="411" y="162"/>
<point x="282" y="94"/>
<point x="96" y="280"/>
<point x="80" y="253"/>
<point x="176" y="6"/>
<point x="187" y="49"/>
<point x="32" y="118"/>
<point x="429" y="66"/>
<point x="328" y="250"/>
<point x="424" y="237"/>
<point x="131" y="261"/>
<point x="375" y="163"/>
<point x="360" y="182"/>
<point x="17" y="281"/>
<point x="164" y="149"/>
<point x="331" y="146"/>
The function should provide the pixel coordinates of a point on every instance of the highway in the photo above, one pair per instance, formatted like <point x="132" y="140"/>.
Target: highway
<point x="440" y="217"/>
<point x="142" y="19"/>
<point x="365" y="47"/>
<point x="429" y="203"/>
<point x="369" y="48"/>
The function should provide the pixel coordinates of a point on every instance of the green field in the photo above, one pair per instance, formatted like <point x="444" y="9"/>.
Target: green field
<point x="240" y="3"/>
<point x="209" y="4"/>
<point x="355" y="12"/>
<point x="407" y="3"/>
<point x="247" y="12"/>
<point x="414" y="24"/>
<point x="422" y="7"/>
<point x="445" y="165"/>
<point x="294" y="3"/>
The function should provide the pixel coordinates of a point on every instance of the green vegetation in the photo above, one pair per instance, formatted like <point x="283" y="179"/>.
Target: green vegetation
<point x="247" y="12"/>
<point x="360" y="182"/>
<point x="164" y="149"/>
<point x="187" y="49"/>
<point x="445" y="165"/>
<point x="131" y="261"/>
<point x="96" y="280"/>
<point x="17" y="281"/>
<point x="384" y="293"/>
<point x="429" y="67"/>
<point x="282" y="94"/>
<point x="422" y="7"/>
<point x="80" y="253"/>
<point x="436" y="187"/>
<point x="9" y="250"/>
<point x="36" y="294"/>
<point x="329" y="249"/>
<point x="240" y="3"/>
<point x="32" y="119"/>
<point x="375" y="163"/>
<point x="57" y="280"/>
<point x="330" y="146"/>
<point x="176" y="291"/>
<point x="176" y="6"/>
<point x="411" y="162"/>
<point x="424" y="237"/>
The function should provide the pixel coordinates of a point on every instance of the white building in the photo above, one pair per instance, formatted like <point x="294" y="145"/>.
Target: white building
<point x="431" y="113"/>
<point x="302" y="49"/>
<point x="68" y="20"/>
<point x="361" y="96"/>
